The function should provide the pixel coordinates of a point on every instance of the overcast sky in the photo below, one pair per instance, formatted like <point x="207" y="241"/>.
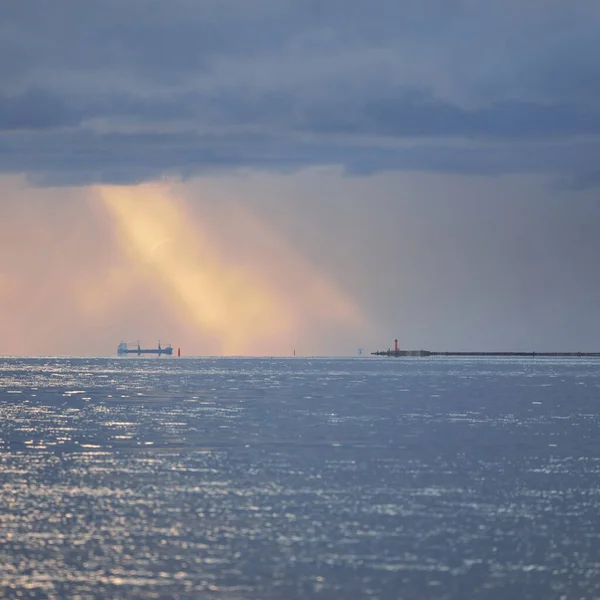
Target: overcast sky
<point x="256" y="177"/>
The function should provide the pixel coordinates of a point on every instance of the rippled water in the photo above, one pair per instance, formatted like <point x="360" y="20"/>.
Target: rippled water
<point x="303" y="478"/>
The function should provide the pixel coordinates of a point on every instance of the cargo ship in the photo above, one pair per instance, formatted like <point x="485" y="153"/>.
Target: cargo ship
<point x="125" y="348"/>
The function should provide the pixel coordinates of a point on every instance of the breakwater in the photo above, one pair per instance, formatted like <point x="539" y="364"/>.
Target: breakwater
<point x="420" y="353"/>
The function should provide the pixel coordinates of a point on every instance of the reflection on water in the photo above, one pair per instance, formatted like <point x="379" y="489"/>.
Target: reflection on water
<point x="285" y="479"/>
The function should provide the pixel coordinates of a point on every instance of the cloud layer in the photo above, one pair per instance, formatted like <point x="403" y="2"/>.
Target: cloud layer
<point x="131" y="90"/>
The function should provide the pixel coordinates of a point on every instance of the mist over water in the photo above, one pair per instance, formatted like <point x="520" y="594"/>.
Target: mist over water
<point x="299" y="478"/>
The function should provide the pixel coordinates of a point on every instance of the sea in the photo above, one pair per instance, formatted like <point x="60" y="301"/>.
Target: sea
<point x="300" y="478"/>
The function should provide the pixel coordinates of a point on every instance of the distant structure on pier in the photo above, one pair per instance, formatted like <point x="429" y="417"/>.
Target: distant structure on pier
<point x="396" y="352"/>
<point x="125" y="348"/>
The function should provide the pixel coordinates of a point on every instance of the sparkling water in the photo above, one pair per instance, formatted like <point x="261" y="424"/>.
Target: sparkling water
<point x="229" y="478"/>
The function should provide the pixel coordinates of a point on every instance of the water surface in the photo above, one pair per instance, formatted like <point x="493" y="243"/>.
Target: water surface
<point x="299" y="478"/>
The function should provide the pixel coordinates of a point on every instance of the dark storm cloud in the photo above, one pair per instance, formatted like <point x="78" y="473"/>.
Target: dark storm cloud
<point x="409" y="118"/>
<point x="36" y="109"/>
<point x="132" y="89"/>
<point x="77" y="158"/>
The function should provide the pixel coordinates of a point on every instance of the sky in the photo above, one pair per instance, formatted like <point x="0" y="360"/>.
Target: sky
<point x="259" y="178"/>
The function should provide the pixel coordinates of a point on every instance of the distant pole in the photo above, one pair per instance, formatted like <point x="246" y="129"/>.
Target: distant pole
<point x="178" y="351"/>
<point x="294" y="351"/>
